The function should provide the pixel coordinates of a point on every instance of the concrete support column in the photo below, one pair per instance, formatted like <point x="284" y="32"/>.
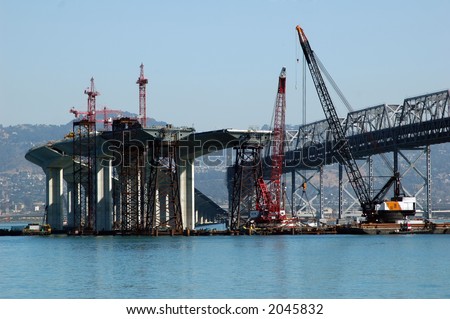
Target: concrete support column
<point x="104" y="218"/>
<point x="187" y="193"/>
<point x="54" y="200"/>
<point x="69" y="204"/>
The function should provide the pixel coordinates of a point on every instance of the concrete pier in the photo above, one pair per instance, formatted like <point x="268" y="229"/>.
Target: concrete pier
<point x="104" y="220"/>
<point x="55" y="200"/>
<point x="187" y="193"/>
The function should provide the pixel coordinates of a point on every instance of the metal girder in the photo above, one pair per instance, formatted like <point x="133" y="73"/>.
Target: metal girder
<point x="419" y="121"/>
<point x="304" y="198"/>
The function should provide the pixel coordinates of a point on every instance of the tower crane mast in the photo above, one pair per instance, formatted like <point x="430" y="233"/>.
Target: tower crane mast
<point x="142" y="82"/>
<point x="91" y="93"/>
<point x="345" y="156"/>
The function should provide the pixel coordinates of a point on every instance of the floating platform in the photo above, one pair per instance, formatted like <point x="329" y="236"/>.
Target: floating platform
<point x="359" y="229"/>
<point x="395" y="229"/>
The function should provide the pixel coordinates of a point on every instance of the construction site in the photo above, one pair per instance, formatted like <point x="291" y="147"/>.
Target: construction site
<point x="115" y="175"/>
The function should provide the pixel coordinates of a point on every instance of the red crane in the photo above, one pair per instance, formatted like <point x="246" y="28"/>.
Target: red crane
<point x="90" y="113"/>
<point x="91" y="93"/>
<point x="272" y="207"/>
<point x="142" y="81"/>
<point x="106" y="121"/>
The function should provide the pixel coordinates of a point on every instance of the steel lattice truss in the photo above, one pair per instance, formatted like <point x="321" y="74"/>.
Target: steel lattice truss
<point x="415" y="125"/>
<point x="419" y="121"/>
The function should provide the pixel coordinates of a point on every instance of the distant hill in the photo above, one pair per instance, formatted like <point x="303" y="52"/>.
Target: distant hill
<point x="16" y="140"/>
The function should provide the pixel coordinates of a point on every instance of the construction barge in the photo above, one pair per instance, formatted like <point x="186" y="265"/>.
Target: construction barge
<point x="356" y="229"/>
<point x="359" y="229"/>
<point x="425" y="227"/>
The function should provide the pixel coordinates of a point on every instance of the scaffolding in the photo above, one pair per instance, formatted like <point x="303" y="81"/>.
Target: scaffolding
<point x="245" y="193"/>
<point x="130" y="171"/>
<point x="163" y="193"/>
<point x="84" y="176"/>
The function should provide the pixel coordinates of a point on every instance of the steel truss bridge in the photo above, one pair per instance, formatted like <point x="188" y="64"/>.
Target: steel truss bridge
<point x="398" y="129"/>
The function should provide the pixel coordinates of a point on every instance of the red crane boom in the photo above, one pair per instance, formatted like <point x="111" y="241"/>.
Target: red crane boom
<point x="278" y="145"/>
<point x="106" y="121"/>
<point x="272" y="207"/>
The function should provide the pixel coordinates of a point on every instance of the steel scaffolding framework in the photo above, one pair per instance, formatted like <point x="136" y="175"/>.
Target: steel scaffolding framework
<point x="84" y="176"/>
<point x="245" y="193"/>
<point x="163" y="192"/>
<point x="130" y="172"/>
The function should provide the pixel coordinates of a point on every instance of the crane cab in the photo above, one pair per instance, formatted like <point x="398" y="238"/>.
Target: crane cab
<point x="398" y="208"/>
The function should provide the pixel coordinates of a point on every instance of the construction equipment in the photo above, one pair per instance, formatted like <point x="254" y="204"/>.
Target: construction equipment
<point x="142" y="82"/>
<point x="270" y="205"/>
<point x="368" y="204"/>
<point x="107" y="121"/>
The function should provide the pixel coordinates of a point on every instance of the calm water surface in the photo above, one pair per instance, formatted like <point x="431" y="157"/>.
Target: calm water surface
<point x="409" y="266"/>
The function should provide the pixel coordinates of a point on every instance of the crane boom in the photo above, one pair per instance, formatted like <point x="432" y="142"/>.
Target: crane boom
<point x="278" y="143"/>
<point x="271" y="207"/>
<point x="345" y="156"/>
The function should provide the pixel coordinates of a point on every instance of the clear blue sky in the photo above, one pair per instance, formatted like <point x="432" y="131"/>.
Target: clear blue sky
<point x="214" y="64"/>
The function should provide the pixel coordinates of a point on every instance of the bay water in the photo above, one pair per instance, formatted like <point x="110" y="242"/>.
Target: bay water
<point x="313" y="266"/>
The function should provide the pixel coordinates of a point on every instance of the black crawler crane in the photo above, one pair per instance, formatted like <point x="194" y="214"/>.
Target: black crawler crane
<point x="342" y="147"/>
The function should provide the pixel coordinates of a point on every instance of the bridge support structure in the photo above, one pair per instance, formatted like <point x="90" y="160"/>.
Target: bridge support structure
<point x="55" y="197"/>
<point x="164" y="210"/>
<point x="130" y="174"/>
<point x="245" y="193"/>
<point x="84" y="176"/>
<point x="187" y="192"/>
<point x="307" y="199"/>
<point x="104" y="195"/>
